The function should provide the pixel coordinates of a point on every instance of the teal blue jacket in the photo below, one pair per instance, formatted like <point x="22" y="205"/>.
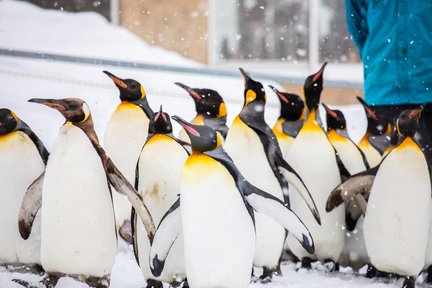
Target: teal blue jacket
<point x="394" y="38"/>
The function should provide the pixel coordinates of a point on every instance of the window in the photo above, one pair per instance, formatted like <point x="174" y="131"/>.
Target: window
<point x="269" y="31"/>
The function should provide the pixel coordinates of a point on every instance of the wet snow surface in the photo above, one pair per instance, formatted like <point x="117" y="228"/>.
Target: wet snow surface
<point x="22" y="79"/>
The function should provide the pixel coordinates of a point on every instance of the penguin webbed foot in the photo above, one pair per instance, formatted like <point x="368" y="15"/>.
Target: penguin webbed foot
<point x="409" y="282"/>
<point x="331" y="265"/>
<point x="185" y="284"/>
<point x="151" y="283"/>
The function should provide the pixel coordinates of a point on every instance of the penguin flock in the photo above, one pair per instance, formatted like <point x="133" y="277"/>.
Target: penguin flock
<point x="203" y="208"/>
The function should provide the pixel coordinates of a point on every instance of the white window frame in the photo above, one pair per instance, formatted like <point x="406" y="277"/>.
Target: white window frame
<point x="311" y="64"/>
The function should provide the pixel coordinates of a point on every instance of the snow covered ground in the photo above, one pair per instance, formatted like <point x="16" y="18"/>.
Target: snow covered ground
<point x="26" y="27"/>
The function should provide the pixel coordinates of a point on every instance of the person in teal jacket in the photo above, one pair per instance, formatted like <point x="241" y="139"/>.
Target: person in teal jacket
<point x="394" y="38"/>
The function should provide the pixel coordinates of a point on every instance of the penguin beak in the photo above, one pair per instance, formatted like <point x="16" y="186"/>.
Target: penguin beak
<point x="196" y="96"/>
<point x="279" y="94"/>
<point x="329" y="111"/>
<point x="52" y="103"/>
<point x="368" y="110"/>
<point x="246" y="76"/>
<point x="160" y="114"/>
<point x="187" y="126"/>
<point x="415" y="114"/>
<point x="319" y="73"/>
<point x="117" y="81"/>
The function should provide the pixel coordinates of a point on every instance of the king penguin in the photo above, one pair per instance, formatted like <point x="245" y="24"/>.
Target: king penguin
<point x="375" y="141"/>
<point x="254" y="149"/>
<point x="215" y="211"/>
<point x="396" y="225"/>
<point x="22" y="160"/>
<point x="313" y="157"/>
<point x="159" y="169"/>
<point x="78" y="236"/>
<point x="353" y="161"/>
<point x="210" y="108"/>
<point x="291" y="118"/>
<point x="125" y="135"/>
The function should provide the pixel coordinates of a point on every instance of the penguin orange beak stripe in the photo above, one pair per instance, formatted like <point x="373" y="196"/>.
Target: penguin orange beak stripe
<point x="52" y="103"/>
<point x="186" y="126"/>
<point x="319" y="73"/>
<point x="369" y="111"/>
<point x="245" y="75"/>
<point x="119" y="82"/>
<point x="279" y="94"/>
<point x="329" y="111"/>
<point x="415" y="114"/>
<point x="191" y="91"/>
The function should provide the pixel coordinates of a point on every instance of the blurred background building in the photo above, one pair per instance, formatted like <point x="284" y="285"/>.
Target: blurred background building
<point x="268" y="35"/>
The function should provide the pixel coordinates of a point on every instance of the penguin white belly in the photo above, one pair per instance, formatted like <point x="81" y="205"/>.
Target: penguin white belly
<point x="355" y="248"/>
<point x="313" y="157"/>
<point x="78" y="228"/>
<point x="350" y="156"/>
<point x="160" y="167"/>
<point x="397" y="218"/>
<point x="20" y="165"/>
<point x="125" y="135"/>
<point x="219" y="235"/>
<point x="285" y="144"/>
<point x="247" y="152"/>
<point x="372" y="155"/>
<point x="428" y="259"/>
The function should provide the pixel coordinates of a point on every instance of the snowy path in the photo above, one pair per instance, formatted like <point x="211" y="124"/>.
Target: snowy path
<point x="126" y="274"/>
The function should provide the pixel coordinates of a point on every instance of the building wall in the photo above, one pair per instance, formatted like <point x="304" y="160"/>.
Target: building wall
<point x="179" y="26"/>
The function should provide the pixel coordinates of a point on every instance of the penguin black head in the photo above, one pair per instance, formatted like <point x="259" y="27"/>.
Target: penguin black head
<point x="8" y="121"/>
<point x="312" y="88"/>
<point x="375" y="125"/>
<point x="75" y="110"/>
<point x="335" y="119"/>
<point x="202" y="138"/>
<point x="130" y="90"/>
<point x="254" y="90"/>
<point x="292" y="106"/>
<point x="407" y="122"/>
<point x="208" y="102"/>
<point x="160" y="123"/>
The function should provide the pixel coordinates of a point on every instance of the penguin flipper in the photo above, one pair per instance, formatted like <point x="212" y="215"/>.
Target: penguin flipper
<point x="43" y="152"/>
<point x="30" y="206"/>
<point x="271" y="206"/>
<point x="122" y="185"/>
<point x="167" y="232"/>
<point x="347" y="190"/>
<point x="294" y="179"/>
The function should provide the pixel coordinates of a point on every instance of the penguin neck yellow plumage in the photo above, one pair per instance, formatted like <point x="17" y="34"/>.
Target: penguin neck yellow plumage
<point x="364" y="142"/>
<point x="335" y="137"/>
<point x="126" y="105"/>
<point x="409" y="143"/>
<point x="7" y="136"/>
<point x="198" y="120"/>
<point x="278" y="129"/>
<point x="311" y="125"/>
<point x="157" y="138"/>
